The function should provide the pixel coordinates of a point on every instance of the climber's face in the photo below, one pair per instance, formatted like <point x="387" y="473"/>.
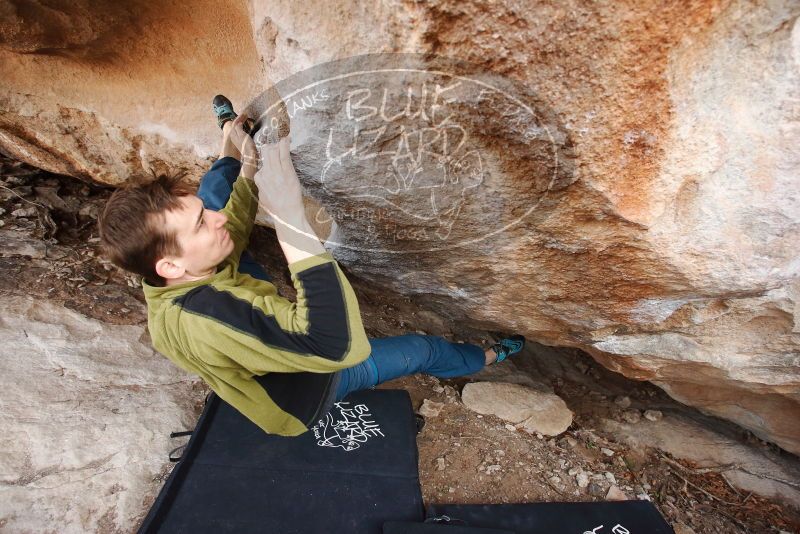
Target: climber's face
<point x="203" y="240"/>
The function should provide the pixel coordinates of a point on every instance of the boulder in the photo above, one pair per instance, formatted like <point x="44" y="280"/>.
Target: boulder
<point x="87" y="409"/>
<point x="529" y="409"/>
<point x="626" y="184"/>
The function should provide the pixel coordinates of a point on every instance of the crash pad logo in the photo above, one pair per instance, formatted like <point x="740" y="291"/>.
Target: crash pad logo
<point x="405" y="153"/>
<point x="347" y="427"/>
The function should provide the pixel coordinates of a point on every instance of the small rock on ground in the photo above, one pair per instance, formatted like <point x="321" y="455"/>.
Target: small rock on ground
<point x="533" y="411"/>
<point x="616" y="494"/>
<point x="632" y="416"/>
<point x="430" y="408"/>
<point x="653" y="415"/>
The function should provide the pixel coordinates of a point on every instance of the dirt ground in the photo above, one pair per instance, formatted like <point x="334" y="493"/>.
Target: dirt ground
<point x="50" y="250"/>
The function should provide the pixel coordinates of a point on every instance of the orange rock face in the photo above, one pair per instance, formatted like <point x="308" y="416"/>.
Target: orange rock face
<point x="107" y="91"/>
<point x="665" y="231"/>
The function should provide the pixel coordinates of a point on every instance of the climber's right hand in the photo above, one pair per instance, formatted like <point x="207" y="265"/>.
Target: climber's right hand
<point x="279" y="189"/>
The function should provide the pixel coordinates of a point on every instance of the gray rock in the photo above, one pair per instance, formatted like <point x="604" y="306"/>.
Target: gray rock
<point x="430" y="408"/>
<point x="19" y="243"/>
<point x="762" y="473"/>
<point x="24" y="213"/>
<point x="623" y="401"/>
<point x="87" y="411"/>
<point x="616" y="494"/>
<point x="632" y="416"/>
<point x="567" y="442"/>
<point x="531" y="410"/>
<point x="653" y="415"/>
<point x="596" y="489"/>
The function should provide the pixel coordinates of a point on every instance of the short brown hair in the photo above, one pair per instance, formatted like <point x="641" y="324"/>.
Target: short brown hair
<point x="132" y="232"/>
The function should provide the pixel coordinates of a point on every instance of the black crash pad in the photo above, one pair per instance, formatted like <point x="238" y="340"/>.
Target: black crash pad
<point x="354" y="471"/>
<point x="622" y="517"/>
<point x="404" y="527"/>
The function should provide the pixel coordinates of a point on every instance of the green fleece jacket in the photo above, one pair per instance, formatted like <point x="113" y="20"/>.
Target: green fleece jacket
<point x="273" y="360"/>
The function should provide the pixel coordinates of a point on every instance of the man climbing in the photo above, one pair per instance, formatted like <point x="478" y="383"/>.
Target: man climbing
<point x="213" y="311"/>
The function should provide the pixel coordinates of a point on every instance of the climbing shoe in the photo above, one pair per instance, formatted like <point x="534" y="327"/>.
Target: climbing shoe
<point x="223" y="110"/>
<point x="508" y="346"/>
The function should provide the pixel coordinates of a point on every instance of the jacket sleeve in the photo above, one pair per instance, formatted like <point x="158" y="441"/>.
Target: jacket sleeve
<point x="262" y="332"/>
<point x="241" y="213"/>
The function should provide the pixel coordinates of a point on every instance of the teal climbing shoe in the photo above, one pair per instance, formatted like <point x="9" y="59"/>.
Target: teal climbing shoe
<point x="508" y="346"/>
<point x="223" y="110"/>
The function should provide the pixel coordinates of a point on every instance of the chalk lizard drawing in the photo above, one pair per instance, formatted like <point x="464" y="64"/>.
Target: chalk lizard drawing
<point x="414" y="170"/>
<point x="351" y="427"/>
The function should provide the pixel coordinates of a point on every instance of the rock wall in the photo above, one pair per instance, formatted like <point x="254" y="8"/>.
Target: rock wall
<point x="107" y="91"/>
<point x="86" y="411"/>
<point x="665" y="244"/>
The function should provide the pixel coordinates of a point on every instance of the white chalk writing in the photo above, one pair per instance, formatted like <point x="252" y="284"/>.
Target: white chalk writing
<point x="418" y="154"/>
<point x="346" y="427"/>
<point x="617" y="529"/>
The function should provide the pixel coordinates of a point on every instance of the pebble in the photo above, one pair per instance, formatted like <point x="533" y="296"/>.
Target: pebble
<point x="616" y="494"/>
<point x="430" y="408"/>
<point x="574" y="471"/>
<point x="89" y="210"/>
<point x="567" y="441"/>
<point x="555" y="480"/>
<point x="607" y="452"/>
<point x="2" y="224"/>
<point x="653" y="415"/>
<point x="596" y="489"/>
<point x="623" y="401"/>
<point x="451" y="490"/>
<point x="23" y="213"/>
<point x="632" y="416"/>
<point x="582" y="479"/>
<point x="14" y="180"/>
<point x="440" y="464"/>
<point x="509" y="427"/>
<point x="610" y="477"/>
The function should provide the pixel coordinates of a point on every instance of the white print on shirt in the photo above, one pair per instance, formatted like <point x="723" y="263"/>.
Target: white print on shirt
<point x="346" y="427"/>
<point x="617" y="529"/>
